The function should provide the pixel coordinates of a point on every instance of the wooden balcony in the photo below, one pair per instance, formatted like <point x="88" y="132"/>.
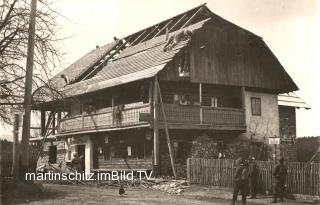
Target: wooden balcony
<point x="178" y="117"/>
<point x="104" y="119"/>
<point x="203" y="117"/>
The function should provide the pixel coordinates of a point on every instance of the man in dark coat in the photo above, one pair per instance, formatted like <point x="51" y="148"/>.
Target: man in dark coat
<point x="254" y="175"/>
<point x="76" y="162"/>
<point x="241" y="182"/>
<point x="280" y="174"/>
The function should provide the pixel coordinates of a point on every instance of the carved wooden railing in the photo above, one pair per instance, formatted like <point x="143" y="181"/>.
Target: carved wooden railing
<point x="204" y="116"/>
<point x="105" y="118"/>
<point x="188" y="116"/>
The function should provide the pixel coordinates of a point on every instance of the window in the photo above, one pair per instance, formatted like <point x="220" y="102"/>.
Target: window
<point x="215" y="101"/>
<point x="183" y="68"/>
<point x="256" y="106"/>
<point x="69" y="155"/>
<point x="52" y="154"/>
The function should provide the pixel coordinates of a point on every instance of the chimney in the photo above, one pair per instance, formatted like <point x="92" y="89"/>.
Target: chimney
<point x="97" y="46"/>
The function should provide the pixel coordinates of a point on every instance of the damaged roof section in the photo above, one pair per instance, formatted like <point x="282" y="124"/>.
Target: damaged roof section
<point x="80" y="66"/>
<point x="79" y="72"/>
<point x="134" y="63"/>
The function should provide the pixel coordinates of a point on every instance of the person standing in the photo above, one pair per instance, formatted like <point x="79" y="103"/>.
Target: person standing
<point x="280" y="174"/>
<point x="76" y="162"/>
<point x="254" y="175"/>
<point x="241" y="182"/>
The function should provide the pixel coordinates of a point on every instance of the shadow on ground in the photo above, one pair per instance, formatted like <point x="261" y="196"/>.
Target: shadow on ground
<point x="20" y="192"/>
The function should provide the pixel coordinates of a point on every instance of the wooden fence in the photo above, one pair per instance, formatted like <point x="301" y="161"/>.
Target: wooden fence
<point x="6" y="157"/>
<point x="303" y="178"/>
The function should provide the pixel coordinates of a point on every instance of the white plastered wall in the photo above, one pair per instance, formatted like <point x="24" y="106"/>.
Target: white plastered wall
<point x="266" y="125"/>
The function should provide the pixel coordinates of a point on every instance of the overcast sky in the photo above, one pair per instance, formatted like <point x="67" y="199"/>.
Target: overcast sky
<point x="289" y="27"/>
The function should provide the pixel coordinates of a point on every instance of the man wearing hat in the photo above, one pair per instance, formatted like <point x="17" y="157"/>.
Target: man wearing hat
<point x="253" y="174"/>
<point x="280" y="174"/>
<point x="241" y="182"/>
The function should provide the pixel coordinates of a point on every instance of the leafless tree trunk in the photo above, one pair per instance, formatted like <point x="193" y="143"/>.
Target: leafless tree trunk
<point x="14" y="23"/>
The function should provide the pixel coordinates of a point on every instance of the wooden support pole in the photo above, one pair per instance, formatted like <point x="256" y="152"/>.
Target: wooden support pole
<point x="54" y="123"/>
<point x="150" y="92"/>
<point x="59" y="118"/>
<point x="46" y="133"/>
<point x="200" y="101"/>
<point x="155" y="126"/>
<point x="43" y="122"/>
<point x="28" y="91"/>
<point x="166" y="130"/>
<point x="191" y="18"/>
<point x="112" y="101"/>
<point x="243" y="98"/>
<point x="135" y="40"/>
<point x="177" y="22"/>
<point x="162" y="29"/>
<point x="144" y="38"/>
<point x="15" y="163"/>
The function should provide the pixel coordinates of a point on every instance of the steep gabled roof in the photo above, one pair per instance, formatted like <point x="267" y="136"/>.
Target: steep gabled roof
<point x="136" y="56"/>
<point x="137" y="52"/>
<point x="175" y="23"/>
<point x="135" y="63"/>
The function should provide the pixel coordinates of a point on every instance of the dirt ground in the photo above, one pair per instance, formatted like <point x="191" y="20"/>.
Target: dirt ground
<point x="77" y="194"/>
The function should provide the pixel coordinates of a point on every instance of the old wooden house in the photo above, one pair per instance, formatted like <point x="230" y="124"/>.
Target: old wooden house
<point x="195" y="74"/>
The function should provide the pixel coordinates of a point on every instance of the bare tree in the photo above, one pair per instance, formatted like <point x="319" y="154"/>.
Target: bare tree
<point x="14" y="22"/>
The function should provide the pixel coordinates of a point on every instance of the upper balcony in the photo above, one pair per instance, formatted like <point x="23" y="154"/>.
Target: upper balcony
<point x="186" y="107"/>
<point x="178" y="117"/>
<point x="203" y="117"/>
<point x="119" y="116"/>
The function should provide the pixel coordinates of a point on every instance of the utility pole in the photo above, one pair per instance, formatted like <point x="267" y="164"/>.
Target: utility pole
<point x="28" y="90"/>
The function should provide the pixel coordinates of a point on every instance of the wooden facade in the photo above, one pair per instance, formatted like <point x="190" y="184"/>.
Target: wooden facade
<point x="196" y="83"/>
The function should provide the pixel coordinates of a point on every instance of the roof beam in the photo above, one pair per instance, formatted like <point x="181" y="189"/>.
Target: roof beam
<point x="162" y="29"/>
<point x="101" y="65"/>
<point x="177" y="22"/>
<point x="191" y="18"/>
<point x="155" y="28"/>
<point x="135" y="40"/>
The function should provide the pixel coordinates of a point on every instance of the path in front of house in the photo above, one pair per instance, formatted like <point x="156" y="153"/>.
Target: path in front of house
<point x="78" y="194"/>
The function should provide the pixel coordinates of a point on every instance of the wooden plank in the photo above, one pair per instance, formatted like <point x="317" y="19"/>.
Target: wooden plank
<point x="162" y="29"/>
<point x="155" y="124"/>
<point x="178" y="22"/>
<point x="191" y="18"/>
<point x="43" y="122"/>
<point x="220" y="172"/>
<point x="166" y="129"/>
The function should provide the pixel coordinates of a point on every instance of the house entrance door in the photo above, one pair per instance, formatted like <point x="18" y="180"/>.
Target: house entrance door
<point x="81" y="149"/>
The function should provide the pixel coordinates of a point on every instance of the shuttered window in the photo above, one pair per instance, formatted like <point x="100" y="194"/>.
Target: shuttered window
<point x="256" y="106"/>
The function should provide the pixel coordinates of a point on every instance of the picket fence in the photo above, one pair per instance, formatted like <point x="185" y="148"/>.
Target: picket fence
<point x="303" y="178"/>
<point x="6" y="157"/>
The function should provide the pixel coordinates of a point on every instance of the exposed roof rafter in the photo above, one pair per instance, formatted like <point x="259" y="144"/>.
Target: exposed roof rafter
<point x="144" y="35"/>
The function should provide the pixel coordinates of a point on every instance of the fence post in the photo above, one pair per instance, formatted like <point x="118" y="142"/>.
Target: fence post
<point x="15" y="156"/>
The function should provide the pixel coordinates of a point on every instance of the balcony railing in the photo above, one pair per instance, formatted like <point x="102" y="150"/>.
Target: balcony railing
<point x="106" y="118"/>
<point x="189" y="116"/>
<point x="178" y="117"/>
